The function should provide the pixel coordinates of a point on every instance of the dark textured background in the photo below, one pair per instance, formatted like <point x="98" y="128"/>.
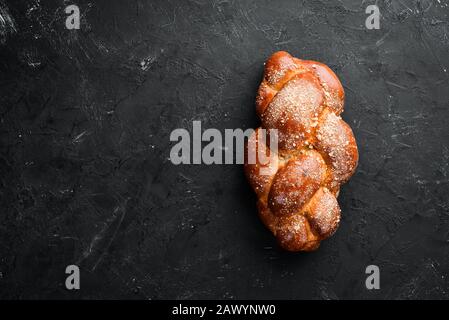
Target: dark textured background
<point x="85" y="118"/>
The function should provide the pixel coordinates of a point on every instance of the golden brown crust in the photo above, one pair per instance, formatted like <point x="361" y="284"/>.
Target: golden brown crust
<point x="323" y="212"/>
<point x="296" y="183"/>
<point x="317" y="151"/>
<point x="260" y="182"/>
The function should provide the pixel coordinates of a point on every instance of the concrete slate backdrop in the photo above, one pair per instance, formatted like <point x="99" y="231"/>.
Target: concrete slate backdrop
<point x="84" y="139"/>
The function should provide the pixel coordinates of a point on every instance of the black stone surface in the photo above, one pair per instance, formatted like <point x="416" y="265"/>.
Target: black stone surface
<point x="85" y="119"/>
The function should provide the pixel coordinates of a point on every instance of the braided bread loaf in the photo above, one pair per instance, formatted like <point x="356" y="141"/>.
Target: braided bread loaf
<point x="317" y="151"/>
